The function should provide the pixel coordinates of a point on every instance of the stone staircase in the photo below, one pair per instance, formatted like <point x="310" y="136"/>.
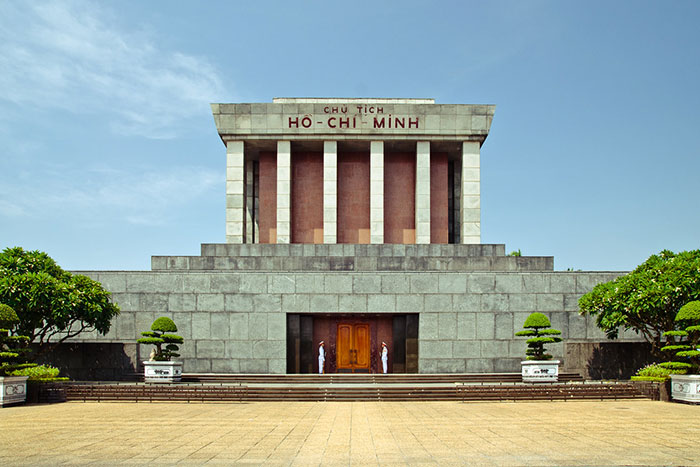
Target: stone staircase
<point x="395" y="387"/>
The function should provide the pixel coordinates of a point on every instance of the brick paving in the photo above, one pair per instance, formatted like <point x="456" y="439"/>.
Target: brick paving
<point x="352" y="433"/>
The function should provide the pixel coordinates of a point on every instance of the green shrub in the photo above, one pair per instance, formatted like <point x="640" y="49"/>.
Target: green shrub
<point x="684" y="347"/>
<point x="536" y="327"/>
<point x="653" y="370"/>
<point x="12" y="347"/>
<point x="41" y="373"/>
<point x="158" y="337"/>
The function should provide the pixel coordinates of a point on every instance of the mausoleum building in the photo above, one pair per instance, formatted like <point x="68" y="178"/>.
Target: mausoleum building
<point x="355" y="222"/>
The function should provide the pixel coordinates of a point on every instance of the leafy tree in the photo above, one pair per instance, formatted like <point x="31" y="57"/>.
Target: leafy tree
<point x="52" y="304"/>
<point x="537" y="329"/>
<point x="646" y="300"/>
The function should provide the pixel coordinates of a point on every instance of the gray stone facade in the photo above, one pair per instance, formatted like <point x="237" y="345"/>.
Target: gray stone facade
<point x="234" y="319"/>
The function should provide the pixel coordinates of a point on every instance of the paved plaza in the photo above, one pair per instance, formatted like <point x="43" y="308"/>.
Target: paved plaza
<point x="352" y="433"/>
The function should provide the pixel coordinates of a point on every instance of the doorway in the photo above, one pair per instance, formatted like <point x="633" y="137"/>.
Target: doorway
<point x="353" y="352"/>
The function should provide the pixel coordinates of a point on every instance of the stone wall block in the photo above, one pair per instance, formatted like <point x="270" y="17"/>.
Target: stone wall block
<point x="113" y="282"/>
<point x="226" y="365"/>
<point x="381" y="303"/>
<point x="255" y="365"/>
<point x="323" y="303"/>
<point x="428" y="326"/>
<point x="444" y="365"/>
<point x="225" y="283"/>
<point x="479" y="365"/>
<point x="485" y="326"/>
<point x="197" y="365"/>
<point x="438" y="302"/>
<point x="522" y="302"/>
<point x="504" y="326"/>
<point x="219" y="325"/>
<point x="257" y="323"/>
<point x="507" y="365"/>
<point x="281" y="283"/>
<point x="353" y="303"/>
<point x="155" y="302"/>
<point x="210" y="349"/>
<point x="550" y="302"/>
<point x="466" y="349"/>
<point x="452" y="283"/>
<point x="238" y="302"/>
<point x="143" y="321"/>
<point x="125" y="327"/>
<point x="447" y="326"/>
<point x="536" y="283"/>
<point x="310" y="283"/>
<point x="495" y="302"/>
<point x="201" y="326"/>
<point x="253" y="283"/>
<point x="560" y="321"/>
<point x="140" y="282"/>
<point x="337" y="283"/>
<point x="571" y="302"/>
<point x="196" y="282"/>
<point x="168" y="282"/>
<point x="395" y="283"/>
<point x="267" y="303"/>
<point x="366" y="284"/>
<point x="494" y="349"/>
<point x="210" y="302"/>
<point x="466" y="325"/>
<point x="296" y="303"/>
<point x="277" y="328"/>
<point x="277" y="366"/>
<point x="509" y="283"/>
<point x="409" y="303"/>
<point x="239" y="349"/>
<point x="562" y="283"/>
<point x="481" y="283"/>
<point x="183" y="321"/>
<point x="423" y="283"/>
<point x="181" y="302"/>
<point x="466" y="302"/>
<point x="435" y="349"/>
<point x="127" y="301"/>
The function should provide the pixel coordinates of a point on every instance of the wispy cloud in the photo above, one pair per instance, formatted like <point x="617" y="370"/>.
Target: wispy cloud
<point x="75" y="55"/>
<point x="105" y="195"/>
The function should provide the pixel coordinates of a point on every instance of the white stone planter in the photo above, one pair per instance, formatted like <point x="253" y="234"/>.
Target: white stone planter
<point x="162" y="372"/>
<point x="14" y="390"/>
<point x="686" y="388"/>
<point x="540" y="371"/>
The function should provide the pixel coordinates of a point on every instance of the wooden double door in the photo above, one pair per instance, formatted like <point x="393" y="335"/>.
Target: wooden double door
<point x="353" y="353"/>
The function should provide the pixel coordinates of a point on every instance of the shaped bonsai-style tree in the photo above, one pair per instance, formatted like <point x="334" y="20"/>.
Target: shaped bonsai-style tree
<point x="12" y="347"/>
<point x="537" y="328"/>
<point x="159" y="336"/>
<point x="686" y="351"/>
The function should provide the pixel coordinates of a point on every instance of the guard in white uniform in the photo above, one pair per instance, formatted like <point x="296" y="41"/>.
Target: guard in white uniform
<point x="321" y="357"/>
<point x="385" y="356"/>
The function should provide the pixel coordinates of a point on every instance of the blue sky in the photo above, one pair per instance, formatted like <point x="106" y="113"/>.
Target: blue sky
<point x="109" y="153"/>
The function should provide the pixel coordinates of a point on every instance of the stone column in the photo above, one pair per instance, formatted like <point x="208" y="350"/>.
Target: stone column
<point x="284" y="190"/>
<point x="470" y="196"/>
<point x="376" y="191"/>
<point x="422" y="192"/>
<point x="330" y="192"/>
<point x="249" y="202"/>
<point x="235" y="192"/>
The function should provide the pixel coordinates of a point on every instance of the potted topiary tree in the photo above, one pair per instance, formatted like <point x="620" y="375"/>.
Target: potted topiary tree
<point x="686" y="353"/>
<point x="13" y="389"/>
<point x="159" y="368"/>
<point x="538" y="365"/>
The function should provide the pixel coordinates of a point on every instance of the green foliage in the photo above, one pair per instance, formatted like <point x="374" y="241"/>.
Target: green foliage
<point x="52" y="305"/>
<point x="13" y="347"/>
<point x="686" y="347"/>
<point x="41" y="373"/>
<point x="536" y="325"/>
<point x="653" y="370"/>
<point x="537" y="320"/>
<point x="689" y="312"/>
<point x="158" y="337"/>
<point x="646" y="300"/>
<point x="163" y="324"/>
<point x="679" y="368"/>
<point x="515" y="253"/>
